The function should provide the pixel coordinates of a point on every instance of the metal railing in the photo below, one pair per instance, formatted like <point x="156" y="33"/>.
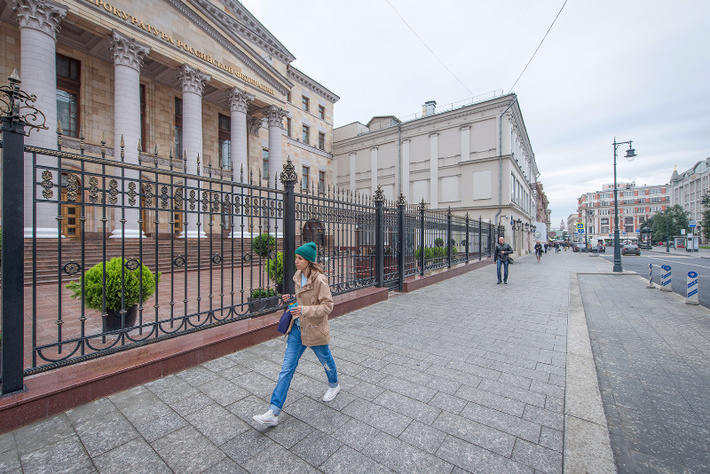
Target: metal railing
<point x="149" y="252"/>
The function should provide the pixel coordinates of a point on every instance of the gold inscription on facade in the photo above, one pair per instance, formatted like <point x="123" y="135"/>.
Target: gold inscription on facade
<point x="127" y="17"/>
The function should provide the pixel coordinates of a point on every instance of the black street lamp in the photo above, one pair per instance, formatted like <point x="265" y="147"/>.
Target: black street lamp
<point x="630" y="155"/>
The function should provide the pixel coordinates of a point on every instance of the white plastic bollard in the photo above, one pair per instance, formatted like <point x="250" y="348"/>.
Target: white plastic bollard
<point x="650" y="277"/>
<point x="666" y="278"/>
<point x="692" y="288"/>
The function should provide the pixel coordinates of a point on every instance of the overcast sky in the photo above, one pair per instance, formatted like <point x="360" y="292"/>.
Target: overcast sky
<point x="632" y="69"/>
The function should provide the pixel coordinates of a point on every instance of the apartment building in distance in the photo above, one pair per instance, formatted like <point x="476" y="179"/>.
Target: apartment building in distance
<point x="636" y="205"/>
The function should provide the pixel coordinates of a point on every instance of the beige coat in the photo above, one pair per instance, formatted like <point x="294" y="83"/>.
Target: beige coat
<point x="316" y="304"/>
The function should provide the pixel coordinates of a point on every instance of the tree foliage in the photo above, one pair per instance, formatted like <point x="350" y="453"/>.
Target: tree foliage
<point x="676" y="217"/>
<point x="120" y="282"/>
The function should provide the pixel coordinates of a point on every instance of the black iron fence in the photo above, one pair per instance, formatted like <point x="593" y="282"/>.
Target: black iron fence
<point x="145" y="251"/>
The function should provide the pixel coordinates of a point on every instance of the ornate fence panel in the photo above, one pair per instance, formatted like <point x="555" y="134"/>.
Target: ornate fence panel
<point x="125" y="251"/>
<point x="342" y="225"/>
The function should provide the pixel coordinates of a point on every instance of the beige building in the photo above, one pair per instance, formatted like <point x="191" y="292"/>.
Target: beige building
<point x="200" y="85"/>
<point x="688" y="189"/>
<point x="474" y="157"/>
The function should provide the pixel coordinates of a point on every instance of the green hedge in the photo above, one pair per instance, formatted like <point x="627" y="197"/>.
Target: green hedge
<point x="93" y="285"/>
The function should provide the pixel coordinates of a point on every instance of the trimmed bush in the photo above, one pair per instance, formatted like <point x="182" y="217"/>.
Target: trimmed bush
<point x="263" y="244"/>
<point x="275" y="268"/>
<point x="93" y="285"/>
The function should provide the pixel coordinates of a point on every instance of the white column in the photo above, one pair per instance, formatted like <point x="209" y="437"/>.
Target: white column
<point x="193" y="83"/>
<point x="353" y="171"/>
<point x="434" y="170"/>
<point x="127" y="61"/>
<point x="275" y="117"/>
<point x="373" y="169"/>
<point x="465" y="143"/>
<point x="405" y="169"/>
<point x="239" y="103"/>
<point x="39" y="23"/>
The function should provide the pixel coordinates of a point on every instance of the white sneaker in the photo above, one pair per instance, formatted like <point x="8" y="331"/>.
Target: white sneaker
<point x="331" y="393"/>
<point x="267" y="419"/>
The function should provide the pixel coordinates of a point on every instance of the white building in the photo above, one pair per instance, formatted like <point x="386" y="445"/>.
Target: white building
<point x="688" y="189"/>
<point x="475" y="158"/>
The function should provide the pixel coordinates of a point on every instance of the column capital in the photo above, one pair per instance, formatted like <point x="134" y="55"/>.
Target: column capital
<point x="275" y="116"/>
<point x="254" y="124"/>
<point x="127" y="51"/>
<point x="39" y="15"/>
<point x="193" y="80"/>
<point x="239" y="100"/>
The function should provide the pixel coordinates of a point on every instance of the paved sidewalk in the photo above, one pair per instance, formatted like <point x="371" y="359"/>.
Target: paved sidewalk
<point x="461" y="376"/>
<point x="651" y="352"/>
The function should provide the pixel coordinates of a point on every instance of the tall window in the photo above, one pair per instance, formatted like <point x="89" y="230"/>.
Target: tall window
<point x="68" y="92"/>
<point x="288" y="96"/>
<point x="178" y="128"/>
<point x="265" y="162"/>
<point x="305" y="103"/>
<point x="321" y="112"/>
<point x="144" y="125"/>
<point x="304" y="183"/>
<point x="321" y="140"/>
<point x="321" y="181"/>
<point x="288" y="127"/>
<point x="306" y="133"/>
<point x="224" y="125"/>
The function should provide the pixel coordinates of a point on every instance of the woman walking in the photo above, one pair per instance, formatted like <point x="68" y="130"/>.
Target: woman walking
<point x="538" y="251"/>
<point x="309" y="328"/>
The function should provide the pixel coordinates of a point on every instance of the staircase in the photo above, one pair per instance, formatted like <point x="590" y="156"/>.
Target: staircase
<point x="49" y="264"/>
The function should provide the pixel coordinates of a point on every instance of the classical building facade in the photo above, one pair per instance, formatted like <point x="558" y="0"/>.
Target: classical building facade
<point x="688" y="189"/>
<point x="199" y="83"/>
<point x="475" y="159"/>
<point x="636" y="205"/>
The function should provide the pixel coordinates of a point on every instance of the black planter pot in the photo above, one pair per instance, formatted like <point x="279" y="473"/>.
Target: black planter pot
<point x="113" y="319"/>
<point x="262" y="304"/>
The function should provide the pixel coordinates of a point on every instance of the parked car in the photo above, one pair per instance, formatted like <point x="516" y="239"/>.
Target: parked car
<point x="630" y="249"/>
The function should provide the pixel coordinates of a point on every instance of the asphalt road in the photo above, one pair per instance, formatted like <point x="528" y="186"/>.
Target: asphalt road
<point x="680" y="266"/>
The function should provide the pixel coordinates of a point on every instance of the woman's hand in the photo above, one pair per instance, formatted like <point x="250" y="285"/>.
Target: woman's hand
<point x="285" y="297"/>
<point x="296" y="312"/>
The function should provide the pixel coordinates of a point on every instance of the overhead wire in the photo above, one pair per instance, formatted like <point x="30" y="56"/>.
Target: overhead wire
<point x="538" y="46"/>
<point x="427" y="47"/>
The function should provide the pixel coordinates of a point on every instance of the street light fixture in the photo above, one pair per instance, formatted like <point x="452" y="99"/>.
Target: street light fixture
<point x="630" y="155"/>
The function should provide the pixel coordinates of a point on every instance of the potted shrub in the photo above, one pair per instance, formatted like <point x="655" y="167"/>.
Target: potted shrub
<point x="263" y="244"/>
<point x="262" y="299"/>
<point x="275" y="270"/>
<point x="135" y="292"/>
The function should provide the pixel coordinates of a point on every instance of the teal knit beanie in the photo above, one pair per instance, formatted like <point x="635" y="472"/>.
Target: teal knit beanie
<point x="308" y="251"/>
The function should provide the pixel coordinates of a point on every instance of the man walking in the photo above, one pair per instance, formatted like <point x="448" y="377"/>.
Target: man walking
<point x="500" y="256"/>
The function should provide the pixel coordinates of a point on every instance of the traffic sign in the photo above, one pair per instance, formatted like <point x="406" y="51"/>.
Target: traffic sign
<point x="692" y="224"/>
<point x="580" y="225"/>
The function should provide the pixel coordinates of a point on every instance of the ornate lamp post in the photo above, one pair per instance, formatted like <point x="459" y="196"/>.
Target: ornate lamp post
<point x="630" y="155"/>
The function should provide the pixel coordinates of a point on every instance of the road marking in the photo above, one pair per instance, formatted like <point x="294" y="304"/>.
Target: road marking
<point x="688" y="264"/>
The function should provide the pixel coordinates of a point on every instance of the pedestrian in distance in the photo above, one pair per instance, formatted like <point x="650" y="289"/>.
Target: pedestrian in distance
<point x="500" y="256"/>
<point x="308" y="328"/>
<point x="538" y="251"/>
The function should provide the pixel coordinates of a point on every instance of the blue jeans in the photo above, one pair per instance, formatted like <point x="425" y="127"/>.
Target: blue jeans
<point x="294" y="351"/>
<point x="505" y="273"/>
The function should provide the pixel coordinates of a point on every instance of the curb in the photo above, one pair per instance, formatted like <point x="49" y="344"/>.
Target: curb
<point x="587" y="447"/>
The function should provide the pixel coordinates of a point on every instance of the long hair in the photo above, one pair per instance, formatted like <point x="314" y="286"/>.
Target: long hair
<point x="314" y="267"/>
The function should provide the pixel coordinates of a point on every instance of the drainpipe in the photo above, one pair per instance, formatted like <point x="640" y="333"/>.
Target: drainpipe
<point x="500" y="160"/>
<point x="399" y="152"/>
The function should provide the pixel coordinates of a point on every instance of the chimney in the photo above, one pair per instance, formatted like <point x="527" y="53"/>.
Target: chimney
<point x="429" y="108"/>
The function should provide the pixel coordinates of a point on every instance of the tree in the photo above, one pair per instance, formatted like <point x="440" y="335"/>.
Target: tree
<point x="705" y="222"/>
<point x="677" y="219"/>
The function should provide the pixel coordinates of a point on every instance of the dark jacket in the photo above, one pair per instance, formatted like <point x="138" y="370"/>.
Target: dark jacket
<point x="502" y="252"/>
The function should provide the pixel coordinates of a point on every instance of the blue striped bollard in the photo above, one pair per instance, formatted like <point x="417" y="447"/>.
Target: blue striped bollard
<point x="692" y="288"/>
<point x="650" y="277"/>
<point x="666" y="278"/>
